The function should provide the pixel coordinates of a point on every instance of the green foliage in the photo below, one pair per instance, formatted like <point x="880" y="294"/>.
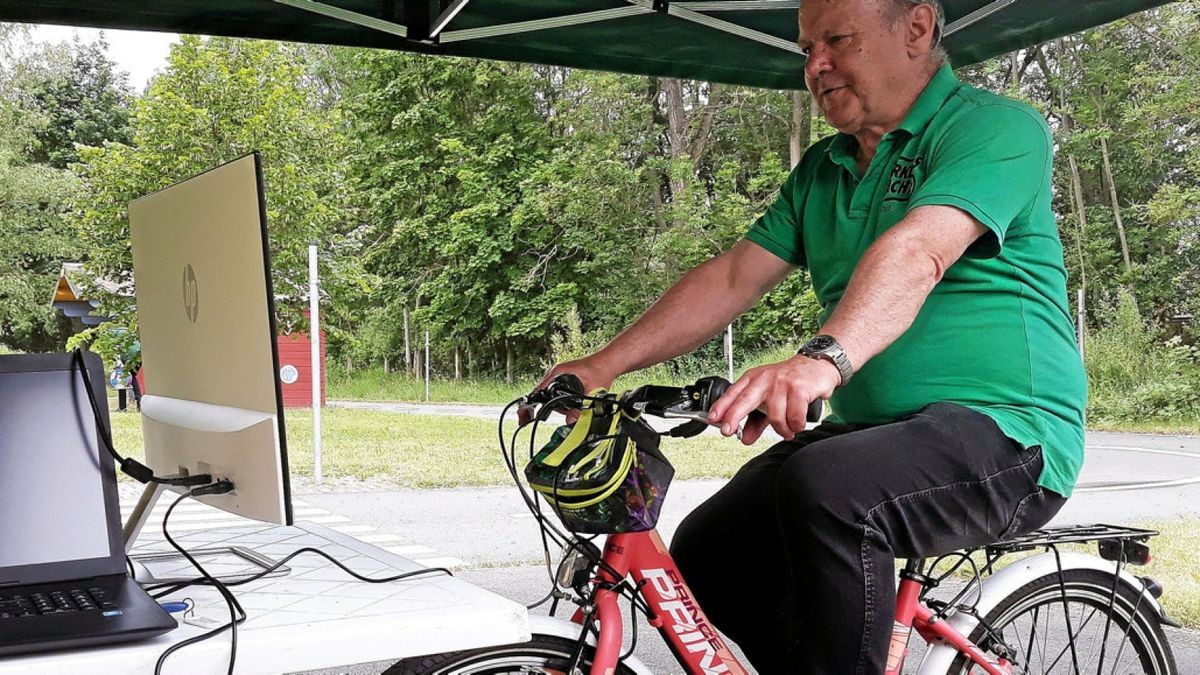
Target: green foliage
<point x="33" y="241"/>
<point x="1134" y="377"/>
<point x="512" y="204"/>
<point x="219" y="99"/>
<point x="79" y="98"/>
<point x="373" y="384"/>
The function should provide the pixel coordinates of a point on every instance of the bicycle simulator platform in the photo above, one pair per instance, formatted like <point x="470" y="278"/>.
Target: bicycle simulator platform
<point x="315" y="617"/>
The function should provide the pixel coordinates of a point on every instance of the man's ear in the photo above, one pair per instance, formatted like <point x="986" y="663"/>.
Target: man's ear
<point x="920" y="28"/>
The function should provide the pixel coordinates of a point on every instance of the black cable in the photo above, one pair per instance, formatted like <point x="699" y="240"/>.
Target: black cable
<point x="236" y="613"/>
<point x="165" y="589"/>
<point x="133" y="468"/>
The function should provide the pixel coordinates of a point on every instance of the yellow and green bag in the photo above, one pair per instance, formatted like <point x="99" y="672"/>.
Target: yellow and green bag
<point x="604" y="474"/>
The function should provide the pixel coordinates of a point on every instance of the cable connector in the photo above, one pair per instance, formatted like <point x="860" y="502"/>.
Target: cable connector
<point x="218" y="488"/>
<point x="186" y="481"/>
<point x="136" y="470"/>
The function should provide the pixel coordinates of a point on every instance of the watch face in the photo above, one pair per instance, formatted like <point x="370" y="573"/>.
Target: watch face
<point x="820" y="343"/>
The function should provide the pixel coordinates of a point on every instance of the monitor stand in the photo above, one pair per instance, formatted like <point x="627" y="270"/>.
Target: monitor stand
<point x="239" y="561"/>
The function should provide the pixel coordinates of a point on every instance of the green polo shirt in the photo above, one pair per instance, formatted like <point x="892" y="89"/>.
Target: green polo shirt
<point x="995" y="334"/>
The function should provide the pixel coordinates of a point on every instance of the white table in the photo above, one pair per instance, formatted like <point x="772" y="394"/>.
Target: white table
<point x="316" y="617"/>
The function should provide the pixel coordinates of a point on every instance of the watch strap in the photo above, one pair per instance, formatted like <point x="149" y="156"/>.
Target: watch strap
<point x="826" y="347"/>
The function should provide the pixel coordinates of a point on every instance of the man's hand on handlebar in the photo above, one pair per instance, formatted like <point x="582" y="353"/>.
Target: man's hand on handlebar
<point x="591" y="374"/>
<point x="783" y="390"/>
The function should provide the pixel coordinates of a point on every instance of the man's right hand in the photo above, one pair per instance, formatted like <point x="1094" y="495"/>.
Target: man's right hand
<point x="588" y="370"/>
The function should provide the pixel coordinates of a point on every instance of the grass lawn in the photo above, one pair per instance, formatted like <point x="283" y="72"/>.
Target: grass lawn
<point x="375" y="385"/>
<point x="1172" y="427"/>
<point x="433" y="450"/>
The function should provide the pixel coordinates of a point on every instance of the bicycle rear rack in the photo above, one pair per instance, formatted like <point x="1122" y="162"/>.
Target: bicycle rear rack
<point x="1071" y="534"/>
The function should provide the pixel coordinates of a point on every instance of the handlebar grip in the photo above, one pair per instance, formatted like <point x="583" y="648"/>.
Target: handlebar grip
<point x="566" y="384"/>
<point x="712" y="388"/>
<point x="815" y="407"/>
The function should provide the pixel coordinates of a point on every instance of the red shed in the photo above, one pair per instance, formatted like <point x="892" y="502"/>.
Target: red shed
<point x="295" y="369"/>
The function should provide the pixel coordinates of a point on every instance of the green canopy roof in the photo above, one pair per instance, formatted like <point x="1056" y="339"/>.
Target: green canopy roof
<point x="748" y="42"/>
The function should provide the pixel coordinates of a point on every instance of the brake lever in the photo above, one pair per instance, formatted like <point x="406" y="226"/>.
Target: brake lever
<point x="699" y="416"/>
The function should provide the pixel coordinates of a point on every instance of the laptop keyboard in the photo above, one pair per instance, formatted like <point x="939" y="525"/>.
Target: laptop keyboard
<point x="55" y="602"/>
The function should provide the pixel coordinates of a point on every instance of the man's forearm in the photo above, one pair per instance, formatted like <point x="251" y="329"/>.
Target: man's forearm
<point x="695" y="309"/>
<point x="894" y="277"/>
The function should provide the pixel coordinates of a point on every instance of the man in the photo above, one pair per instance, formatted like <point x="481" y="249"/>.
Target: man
<point x="946" y="348"/>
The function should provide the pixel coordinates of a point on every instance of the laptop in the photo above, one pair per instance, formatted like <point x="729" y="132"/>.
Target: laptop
<point x="63" y="579"/>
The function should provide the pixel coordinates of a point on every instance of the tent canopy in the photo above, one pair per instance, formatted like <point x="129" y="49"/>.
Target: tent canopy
<point x="750" y="42"/>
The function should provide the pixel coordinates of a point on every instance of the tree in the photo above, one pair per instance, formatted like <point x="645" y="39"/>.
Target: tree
<point x="79" y="97"/>
<point x="218" y="99"/>
<point x="33" y="241"/>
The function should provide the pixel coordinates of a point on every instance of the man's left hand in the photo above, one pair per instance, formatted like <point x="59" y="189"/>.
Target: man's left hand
<point x="783" y="390"/>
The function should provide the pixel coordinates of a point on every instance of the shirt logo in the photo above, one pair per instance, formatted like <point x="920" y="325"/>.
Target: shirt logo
<point x="901" y="183"/>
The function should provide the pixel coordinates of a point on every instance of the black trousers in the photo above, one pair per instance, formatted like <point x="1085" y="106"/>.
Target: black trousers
<point x="794" y="558"/>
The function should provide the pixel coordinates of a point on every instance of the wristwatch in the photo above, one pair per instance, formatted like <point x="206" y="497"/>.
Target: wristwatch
<point x="827" y="348"/>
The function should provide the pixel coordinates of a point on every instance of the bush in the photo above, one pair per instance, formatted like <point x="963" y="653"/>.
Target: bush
<point x="1132" y="376"/>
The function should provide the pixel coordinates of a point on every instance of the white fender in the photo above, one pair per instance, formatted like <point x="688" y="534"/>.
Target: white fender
<point x="999" y="585"/>
<point x="548" y="625"/>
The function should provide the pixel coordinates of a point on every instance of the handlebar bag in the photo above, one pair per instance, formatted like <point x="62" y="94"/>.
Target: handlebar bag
<point x="604" y="474"/>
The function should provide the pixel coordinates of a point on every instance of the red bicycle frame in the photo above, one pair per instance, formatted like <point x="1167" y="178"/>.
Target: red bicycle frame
<point x="696" y="644"/>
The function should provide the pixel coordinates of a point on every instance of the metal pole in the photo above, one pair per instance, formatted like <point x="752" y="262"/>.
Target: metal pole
<point x="314" y="333"/>
<point x="1079" y="320"/>
<point x="427" y="366"/>
<point x="729" y="349"/>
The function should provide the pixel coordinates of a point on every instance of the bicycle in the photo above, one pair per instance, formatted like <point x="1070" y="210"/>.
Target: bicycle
<point x="1056" y="611"/>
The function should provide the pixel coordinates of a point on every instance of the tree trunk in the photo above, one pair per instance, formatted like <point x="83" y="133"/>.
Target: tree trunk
<point x="676" y="131"/>
<point x="386" y="366"/>
<point x="470" y="361"/>
<point x="1068" y="125"/>
<point x="407" y="352"/>
<point x="457" y="362"/>
<point x="801" y="136"/>
<point x="1116" y="206"/>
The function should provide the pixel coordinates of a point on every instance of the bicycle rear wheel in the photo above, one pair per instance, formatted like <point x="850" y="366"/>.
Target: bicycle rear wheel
<point x="1120" y="637"/>
<point x="546" y="654"/>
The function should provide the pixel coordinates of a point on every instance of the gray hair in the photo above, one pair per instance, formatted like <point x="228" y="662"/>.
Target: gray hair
<point x="894" y="9"/>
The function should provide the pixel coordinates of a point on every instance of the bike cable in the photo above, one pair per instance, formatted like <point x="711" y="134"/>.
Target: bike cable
<point x="547" y="528"/>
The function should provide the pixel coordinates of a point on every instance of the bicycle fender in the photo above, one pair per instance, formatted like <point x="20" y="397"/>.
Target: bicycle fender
<point x="1001" y="584"/>
<point x="548" y="625"/>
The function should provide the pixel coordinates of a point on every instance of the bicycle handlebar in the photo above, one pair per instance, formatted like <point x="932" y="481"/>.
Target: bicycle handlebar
<point x="688" y="402"/>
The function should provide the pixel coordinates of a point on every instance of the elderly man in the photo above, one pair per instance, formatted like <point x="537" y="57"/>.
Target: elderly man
<point x="946" y="348"/>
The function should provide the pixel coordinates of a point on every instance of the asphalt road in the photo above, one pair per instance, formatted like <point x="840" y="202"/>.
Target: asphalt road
<point x="488" y="534"/>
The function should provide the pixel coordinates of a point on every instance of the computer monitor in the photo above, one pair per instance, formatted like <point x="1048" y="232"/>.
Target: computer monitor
<point x="213" y="402"/>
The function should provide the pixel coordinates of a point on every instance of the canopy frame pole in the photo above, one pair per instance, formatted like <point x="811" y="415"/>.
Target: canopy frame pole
<point x="738" y="5"/>
<point x="977" y="16"/>
<point x="724" y="26"/>
<point x="446" y="17"/>
<point x="347" y="16"/>
<point x="540" y="24"/>
<point x="682" y="11"/>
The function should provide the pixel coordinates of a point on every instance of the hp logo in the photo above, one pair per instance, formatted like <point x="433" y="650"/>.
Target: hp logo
<point x="191" y="294"/>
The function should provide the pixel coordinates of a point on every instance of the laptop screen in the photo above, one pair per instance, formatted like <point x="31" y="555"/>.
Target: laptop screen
<point x="52" y="505"/>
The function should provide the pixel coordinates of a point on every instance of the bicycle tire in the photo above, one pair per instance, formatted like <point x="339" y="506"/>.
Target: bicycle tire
<point x="547" y="654"/>
<point x="1134" y="627"/>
